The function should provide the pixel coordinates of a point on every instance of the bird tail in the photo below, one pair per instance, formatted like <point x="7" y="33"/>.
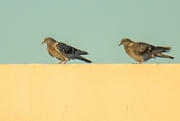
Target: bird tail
<point x="164" y="49"/>
<point x="83" y="59"/>
<point x="158" y="52"/>
<point x="167" y="48"/>
<point x="164" y="56"/>
<point x="80" y="52"/>
<point x="160" y="49"/>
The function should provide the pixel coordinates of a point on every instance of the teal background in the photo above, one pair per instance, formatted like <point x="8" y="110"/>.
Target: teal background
<point x="96" y="26"/>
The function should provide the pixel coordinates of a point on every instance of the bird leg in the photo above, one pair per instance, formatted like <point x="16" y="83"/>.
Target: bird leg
<point x="60" y="62"/>
<point x="65" y="62"/>
<point x="140" y="62"/>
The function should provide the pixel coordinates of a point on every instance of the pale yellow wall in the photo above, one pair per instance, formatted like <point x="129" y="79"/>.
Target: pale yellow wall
<point x="90" y="92"/>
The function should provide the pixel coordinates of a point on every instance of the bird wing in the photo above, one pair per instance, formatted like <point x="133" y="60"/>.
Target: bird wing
<point x="140" y="48"/>
<point x="67" y="49"/>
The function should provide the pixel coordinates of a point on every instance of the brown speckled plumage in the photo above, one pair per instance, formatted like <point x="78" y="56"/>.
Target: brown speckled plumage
<point x="63" y="51"/>
<point x="142" y="52"/>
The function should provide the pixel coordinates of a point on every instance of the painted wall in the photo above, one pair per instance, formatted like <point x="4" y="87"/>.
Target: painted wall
<point x="90" y="92"/>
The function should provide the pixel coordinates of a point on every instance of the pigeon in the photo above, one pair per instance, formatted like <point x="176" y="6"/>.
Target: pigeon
<point x="63" y="51"/>
<point x="142" y="52"/>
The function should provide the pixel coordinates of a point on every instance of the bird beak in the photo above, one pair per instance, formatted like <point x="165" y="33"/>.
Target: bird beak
<point x="120" y="44"/>
<point x="42" y="42"/>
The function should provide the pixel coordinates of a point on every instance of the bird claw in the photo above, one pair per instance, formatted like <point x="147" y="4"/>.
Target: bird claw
<point x="60" y="62"/>
<point x="140" y="62"/>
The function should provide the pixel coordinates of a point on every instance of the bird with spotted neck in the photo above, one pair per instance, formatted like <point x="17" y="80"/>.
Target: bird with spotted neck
<point x="142" y="52"/>
<point x="63" y="51"/>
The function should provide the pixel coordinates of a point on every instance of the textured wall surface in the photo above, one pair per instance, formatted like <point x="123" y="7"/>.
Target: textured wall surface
<point x="90" y="92"/>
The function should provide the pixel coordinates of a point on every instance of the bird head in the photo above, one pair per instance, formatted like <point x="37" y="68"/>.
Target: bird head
<point x="125" y="41"/>
<point x="48" y="40"/>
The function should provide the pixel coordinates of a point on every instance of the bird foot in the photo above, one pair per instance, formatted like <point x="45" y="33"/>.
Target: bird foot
<point x="65" y="62"/>
<point x="60" y="62"/>
<point x="140" y="62"/>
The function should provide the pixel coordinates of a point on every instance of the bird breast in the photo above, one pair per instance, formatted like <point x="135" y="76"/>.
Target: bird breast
<point x="55" y="53"/>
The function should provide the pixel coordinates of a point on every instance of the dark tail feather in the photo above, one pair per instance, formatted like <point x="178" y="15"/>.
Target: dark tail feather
<point x="160" y="49"/>
<point x="164" y="56"/>
<point x="164" y="48"/>
<point x="158" y="52"/>
<point x="80" y="52"/>
<point x="83" y="59"/>
<point x="166" y="51"/>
